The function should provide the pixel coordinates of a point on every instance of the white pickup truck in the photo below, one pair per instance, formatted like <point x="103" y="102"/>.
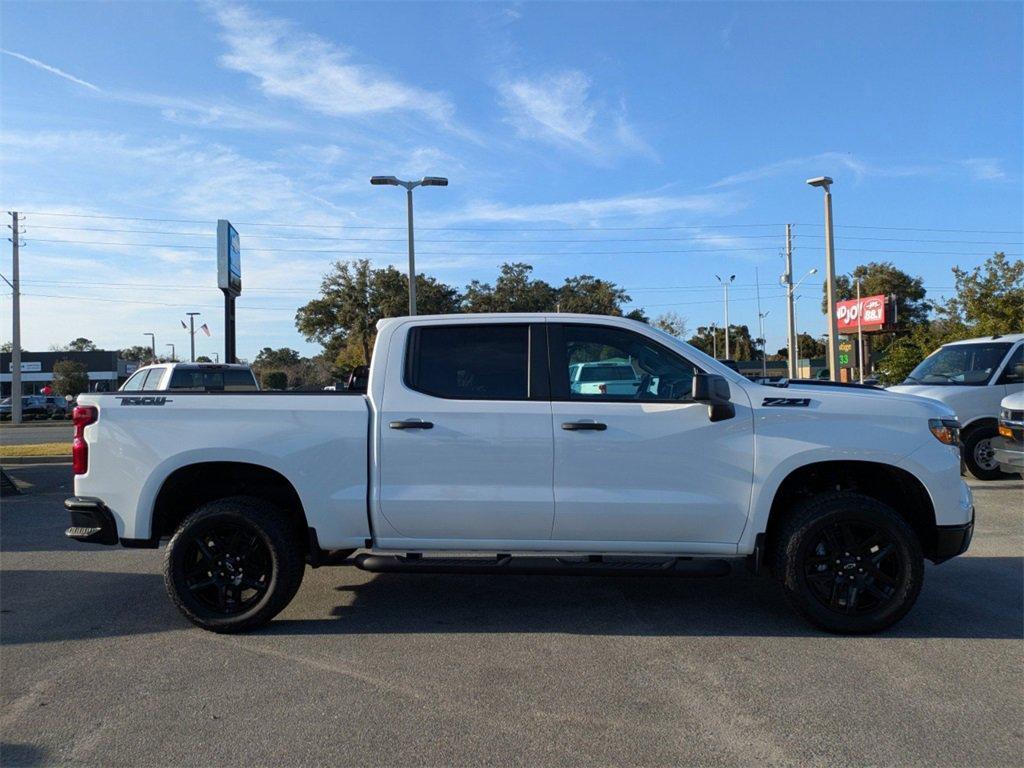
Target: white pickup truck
<point x="472" y="453"/>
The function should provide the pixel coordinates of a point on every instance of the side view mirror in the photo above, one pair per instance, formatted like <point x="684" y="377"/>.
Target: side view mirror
<point x="714" y="390"/>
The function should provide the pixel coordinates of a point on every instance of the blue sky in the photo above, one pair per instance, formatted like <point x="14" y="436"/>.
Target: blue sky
<point x="659" y="143"/>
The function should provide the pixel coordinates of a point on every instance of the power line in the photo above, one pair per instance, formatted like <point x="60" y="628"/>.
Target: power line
<point x="518" y="254"/>
<point x="688" y="238"/>
<point x="521" y="229"/>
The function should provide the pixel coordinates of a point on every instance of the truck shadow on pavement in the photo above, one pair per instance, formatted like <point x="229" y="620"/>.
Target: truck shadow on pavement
<point x="977" y="597"/>
<point x="973" y="597"/>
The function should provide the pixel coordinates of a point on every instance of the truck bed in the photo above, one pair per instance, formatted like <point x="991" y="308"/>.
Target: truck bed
<point x="318" y="441"/>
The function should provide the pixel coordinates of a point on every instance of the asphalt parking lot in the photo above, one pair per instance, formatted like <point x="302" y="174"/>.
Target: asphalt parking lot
<point x="99" y="669"/>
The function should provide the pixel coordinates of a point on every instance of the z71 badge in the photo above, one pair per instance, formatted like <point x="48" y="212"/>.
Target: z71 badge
<point x="143" y="399"/>
<point x="786" y="402"/>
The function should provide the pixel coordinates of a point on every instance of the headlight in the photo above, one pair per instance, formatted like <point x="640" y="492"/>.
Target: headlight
<point x="945" y="430"/>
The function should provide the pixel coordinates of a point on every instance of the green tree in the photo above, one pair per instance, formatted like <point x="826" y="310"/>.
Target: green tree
<point x="989" y="299"/>
<point x="671" y="322"/>
<point x="741" y="345"/>
<point x="136" y="353"/>
<point x="354" y="296"/>
<point x="513" y="291"/>
<point x="70" y="377"/>
<point x="7" y="346"/>
<point x="275" y="380"/>
<point x="203" y="359"/>
<point x="883" y="277"/>
<point x="590" y="295"/>
<point x="807" y="347"/>
<point x="81" y="344"/>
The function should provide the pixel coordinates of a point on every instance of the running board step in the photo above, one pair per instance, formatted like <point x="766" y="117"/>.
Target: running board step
<point x="545" y="566"/>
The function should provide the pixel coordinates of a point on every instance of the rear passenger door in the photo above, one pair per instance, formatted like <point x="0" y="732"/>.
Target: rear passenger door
<point x="465" y="441"/>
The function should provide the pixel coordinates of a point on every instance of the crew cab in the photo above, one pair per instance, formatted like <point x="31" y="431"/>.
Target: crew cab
<point x="471" y="452"/>
<point x="972" y="377"/>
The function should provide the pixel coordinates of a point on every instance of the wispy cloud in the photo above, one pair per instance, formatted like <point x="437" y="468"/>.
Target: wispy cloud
<point x="601" y="209"/>
<point x="53" y="70"/>
<point x="984" y="168"/>
<point x="319" y="75"/>
<point x="559" y="108"/>
<point x="825" y="162"/>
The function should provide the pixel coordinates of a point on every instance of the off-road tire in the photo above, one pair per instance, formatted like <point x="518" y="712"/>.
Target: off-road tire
<point x="281" y="554"/>
<point x="795" y="553"/>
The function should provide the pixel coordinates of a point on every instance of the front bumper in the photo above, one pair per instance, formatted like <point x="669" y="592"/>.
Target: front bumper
<point x="952" y="540"/>
<point x="1009" y="454"/>
<point x="91" y="521"/>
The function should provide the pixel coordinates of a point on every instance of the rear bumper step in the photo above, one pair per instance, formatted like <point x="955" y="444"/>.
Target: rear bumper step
<point x="91" y="521"/>
<point x="507" y="565"/>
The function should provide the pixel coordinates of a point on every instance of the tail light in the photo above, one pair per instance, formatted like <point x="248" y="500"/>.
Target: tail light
<point x="81" y="417"/>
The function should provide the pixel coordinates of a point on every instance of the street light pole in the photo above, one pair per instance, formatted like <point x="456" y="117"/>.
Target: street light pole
<point x="426" y="181"/>
<point x="152" y="344"/>
<point x="725" y="285"/>
<point x="764" y="359"/>
<point x="714" y="341"/>
<point x="830" y="277"/>
<point x="790" y="318"/>
<point x="860" y="335"/>
<point x="16" y="324"/>
<point x="192" y="332"/>
<point x="174" y="355"/>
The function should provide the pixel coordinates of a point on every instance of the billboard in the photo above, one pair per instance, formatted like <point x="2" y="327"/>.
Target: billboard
<point x="229" y="259"/>
<point x="868" y="316"/>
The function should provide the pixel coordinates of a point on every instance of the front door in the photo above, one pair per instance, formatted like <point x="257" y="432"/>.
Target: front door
<point x="465" y="435"/>
<point x="636" y="460"/>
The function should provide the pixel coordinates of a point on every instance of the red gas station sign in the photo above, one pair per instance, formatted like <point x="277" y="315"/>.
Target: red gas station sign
<point x="870" y="313"/>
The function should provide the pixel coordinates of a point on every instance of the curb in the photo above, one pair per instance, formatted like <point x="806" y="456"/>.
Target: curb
<point x="10" y="461"/>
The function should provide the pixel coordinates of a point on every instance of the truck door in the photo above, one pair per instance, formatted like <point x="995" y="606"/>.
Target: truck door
<point x="644" y="465"/>
<point x="465" y="434"/>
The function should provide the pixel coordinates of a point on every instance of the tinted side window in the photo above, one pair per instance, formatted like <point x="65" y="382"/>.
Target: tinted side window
<point x="611" y="364"/>
<point x="469" y="362"/>
<point x="239" y="381"/>
<point x="1013" y="373"/>
<point x="134" y="384"/>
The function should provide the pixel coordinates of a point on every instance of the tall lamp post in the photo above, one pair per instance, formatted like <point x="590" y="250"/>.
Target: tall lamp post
<point x="714" y="341"/>
<point x="725" y="285"/>
<point x="860" y="333"/>
<point x="830" y="278"/>
<point x="152" y="343"/>
<point x="787" y="281"/>
<point x="764" y="359"/>
<point x="174" y="355"/>
<point x="426" y="181"/>
<point x="192" y="333"/>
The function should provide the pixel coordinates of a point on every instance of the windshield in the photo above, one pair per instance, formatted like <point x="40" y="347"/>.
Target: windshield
<point x="961" y="364"/>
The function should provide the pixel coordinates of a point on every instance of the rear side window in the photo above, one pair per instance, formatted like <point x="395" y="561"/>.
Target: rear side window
<point x="134" y="384"/>
<point x="1013" y="373"/>
<point x="469" y="362"/>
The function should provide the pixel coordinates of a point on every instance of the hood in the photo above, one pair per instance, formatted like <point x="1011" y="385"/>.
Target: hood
<point x="869" y="401"/>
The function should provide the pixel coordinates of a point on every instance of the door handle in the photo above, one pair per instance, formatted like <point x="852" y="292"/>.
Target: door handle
<point x="412" y="424"/>
<point x="575" y="426"/>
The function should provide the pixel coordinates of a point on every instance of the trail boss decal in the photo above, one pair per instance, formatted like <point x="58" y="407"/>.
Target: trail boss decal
<point x="143" y="400"/>
<point x="786" y="402"/>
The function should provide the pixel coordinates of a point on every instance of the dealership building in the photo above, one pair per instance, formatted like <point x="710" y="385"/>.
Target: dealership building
<point x="106" y="370"/>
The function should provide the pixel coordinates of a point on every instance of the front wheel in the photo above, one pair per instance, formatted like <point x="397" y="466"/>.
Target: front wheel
<point x="849" y="564"/>
<point x="234" y="564"/>
<point x="980" y="456"/>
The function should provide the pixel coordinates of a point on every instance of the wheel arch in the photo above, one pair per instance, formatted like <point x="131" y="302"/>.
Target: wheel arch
<point x="891" y="485"/>
<point x="192" y="485"/>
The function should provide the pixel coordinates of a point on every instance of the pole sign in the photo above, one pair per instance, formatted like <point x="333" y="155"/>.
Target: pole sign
<point x="229" y="259"/>
<point x="869" y="316"/>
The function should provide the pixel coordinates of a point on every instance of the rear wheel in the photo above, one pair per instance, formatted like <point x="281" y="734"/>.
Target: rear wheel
<point x="849" y="564"/>
<point x="234" y="564"/>
<point x="980" y="456"/>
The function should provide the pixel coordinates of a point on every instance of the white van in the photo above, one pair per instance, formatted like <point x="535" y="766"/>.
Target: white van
<point x="972" y="377"/>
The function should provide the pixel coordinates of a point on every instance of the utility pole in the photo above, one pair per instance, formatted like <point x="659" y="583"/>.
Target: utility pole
<point x="790" y="314"/>
<point x="760" y="317"/>
<point x="830" y="277"/>
<point x="16" y="323"/>
<point x="860" y="335"/>
<point x="192" y="333"/>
